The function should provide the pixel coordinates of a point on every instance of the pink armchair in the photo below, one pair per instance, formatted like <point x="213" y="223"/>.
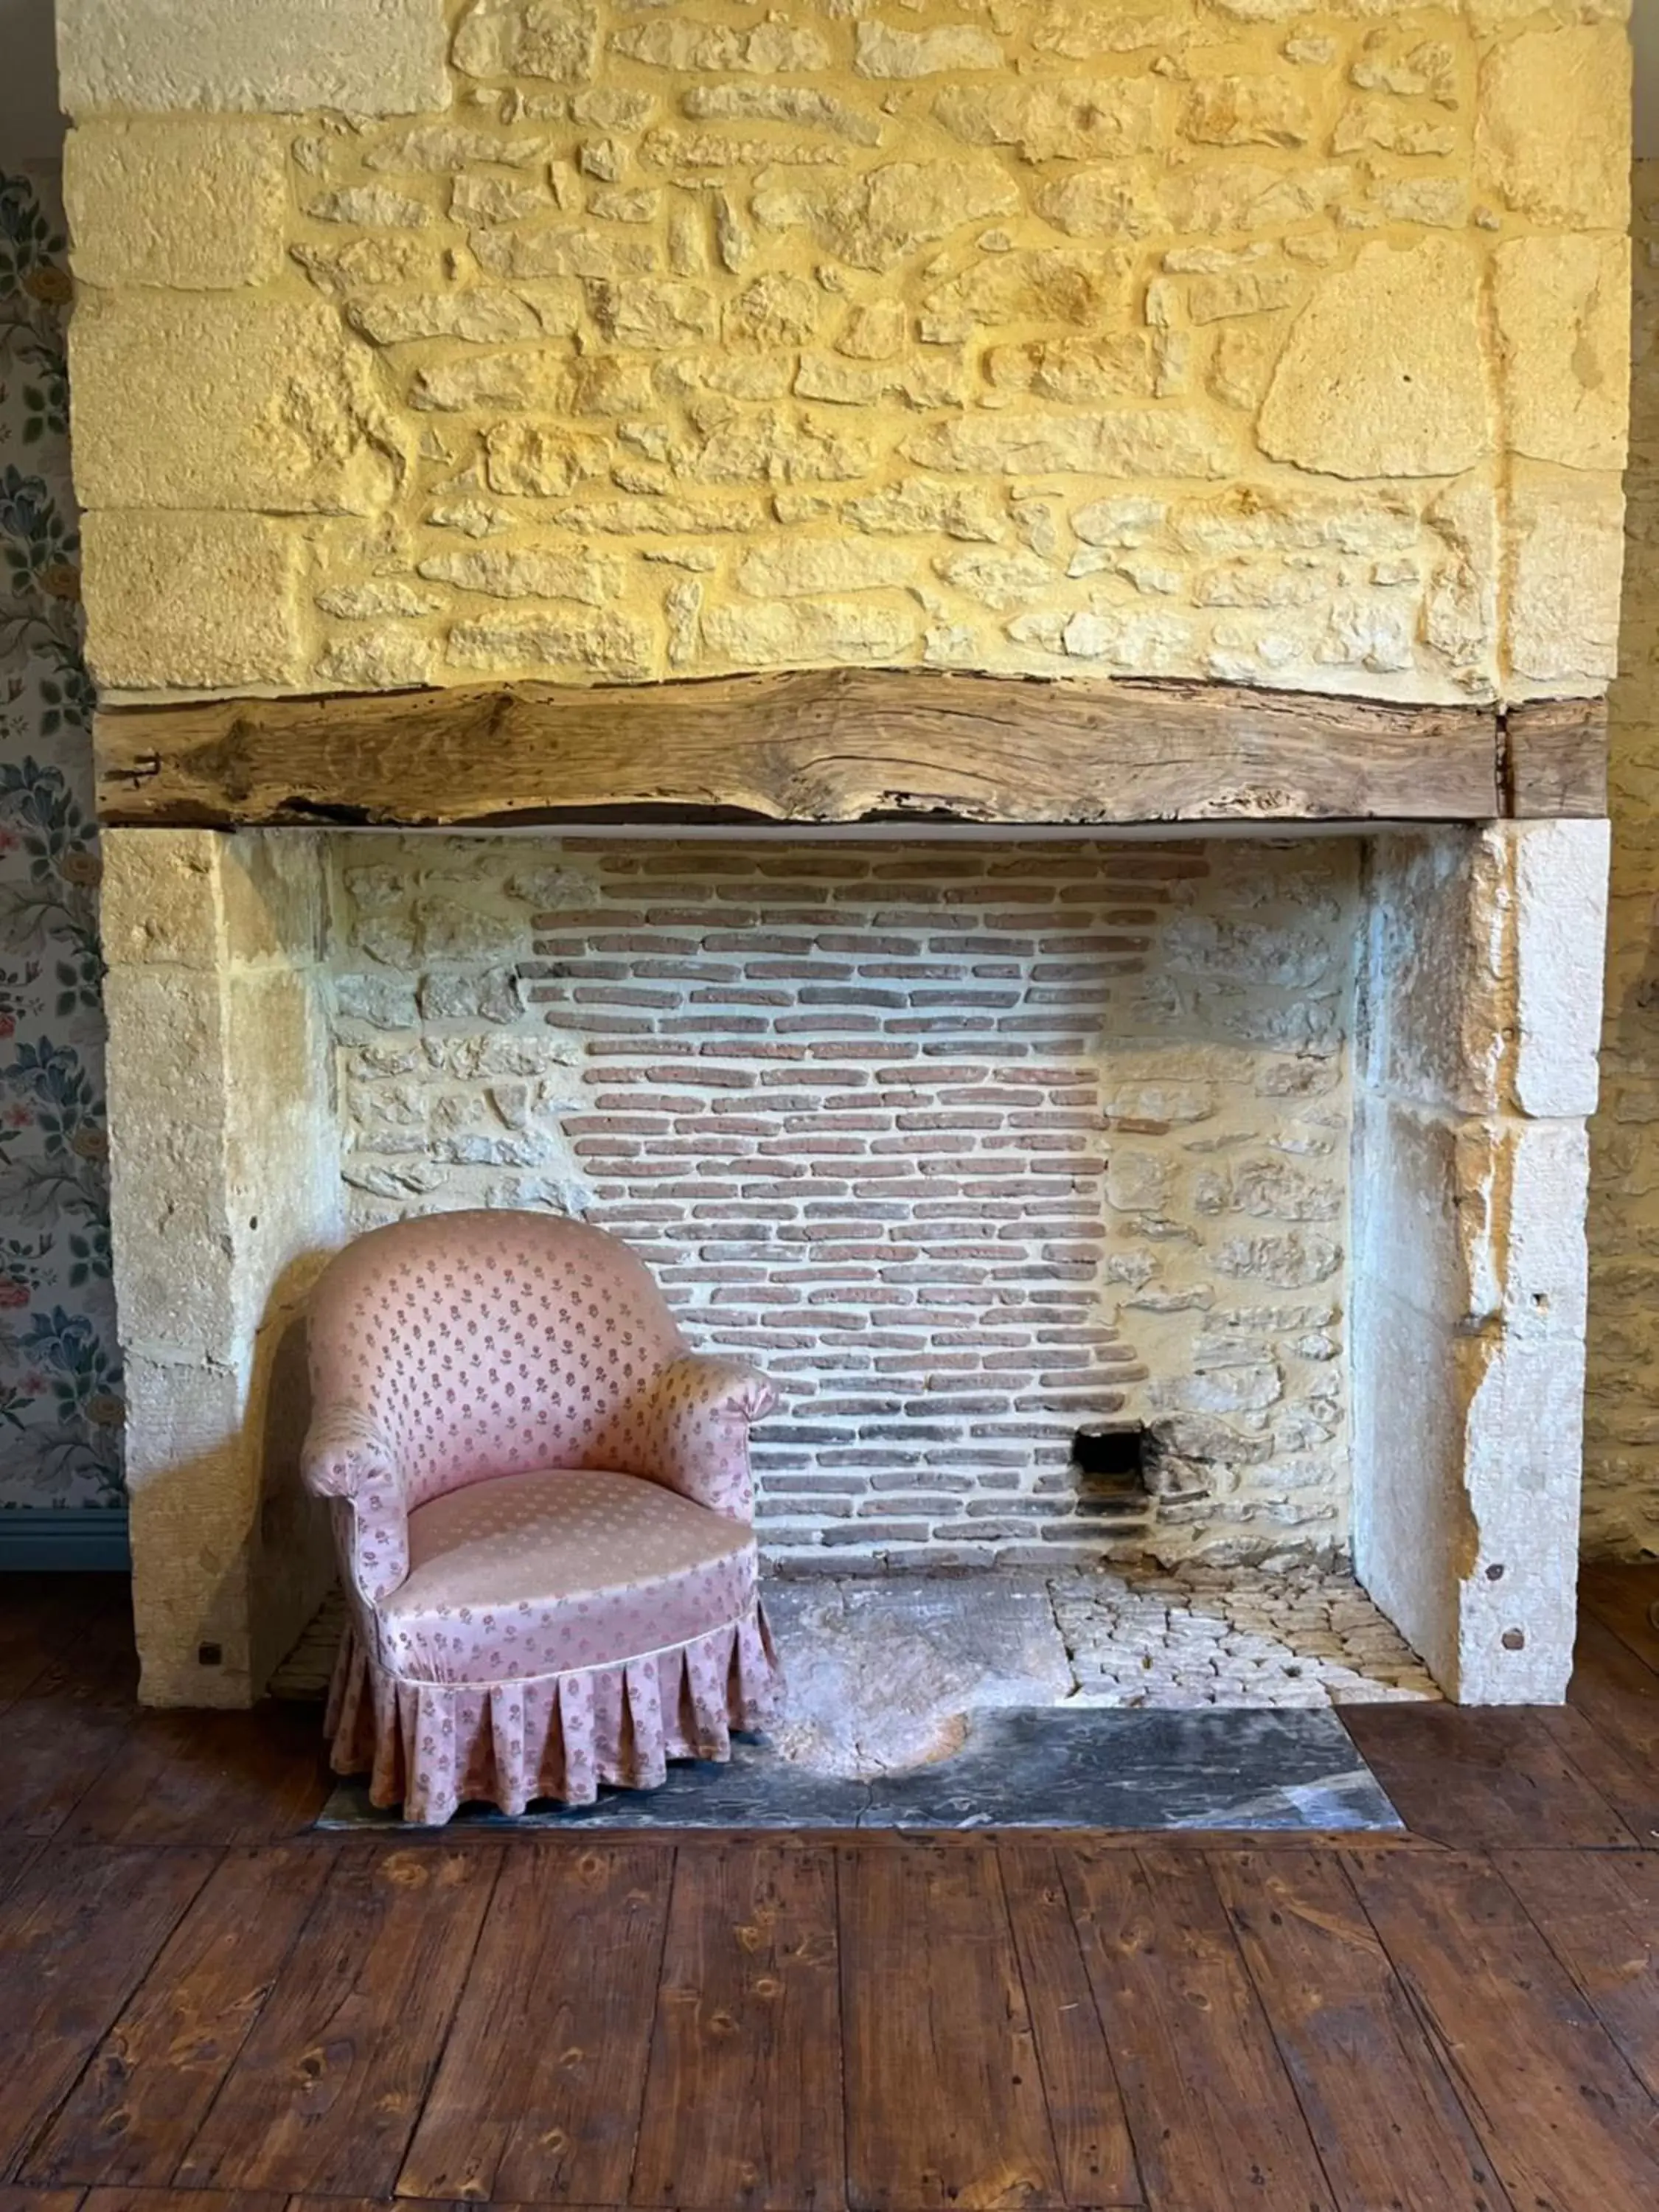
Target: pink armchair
<point x="543" y="1509"/>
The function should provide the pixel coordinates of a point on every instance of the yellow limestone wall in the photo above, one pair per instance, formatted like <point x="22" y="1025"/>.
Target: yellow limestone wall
<point x="1621" y="1429"/>
<point x="426" y="343"/>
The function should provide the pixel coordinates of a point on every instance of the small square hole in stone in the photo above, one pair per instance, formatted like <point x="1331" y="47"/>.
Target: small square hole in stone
<point x="1110" y="1459"/>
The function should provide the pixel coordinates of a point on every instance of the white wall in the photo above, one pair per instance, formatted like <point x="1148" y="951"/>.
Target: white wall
<point x="31" y="129"/>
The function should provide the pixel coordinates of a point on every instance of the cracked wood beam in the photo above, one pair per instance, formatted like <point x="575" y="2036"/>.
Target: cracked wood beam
<point x="842" y="746"/>
<point x="1555" y="758"/>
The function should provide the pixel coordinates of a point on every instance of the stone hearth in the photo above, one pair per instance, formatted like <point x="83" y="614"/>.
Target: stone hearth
<point x="886" y="1672"/>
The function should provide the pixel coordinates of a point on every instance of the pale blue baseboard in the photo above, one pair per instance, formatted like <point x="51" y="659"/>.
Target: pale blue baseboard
<point x="60" y="1541"/>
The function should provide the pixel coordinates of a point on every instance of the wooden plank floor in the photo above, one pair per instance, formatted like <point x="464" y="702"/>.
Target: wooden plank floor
<point x="206" y="2008"/>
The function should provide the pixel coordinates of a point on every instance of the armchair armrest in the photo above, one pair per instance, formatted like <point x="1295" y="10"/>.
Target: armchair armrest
<point x="348" y="1457"/>
<point x="345" y="1450"/>
<point x="689" y="1430"/>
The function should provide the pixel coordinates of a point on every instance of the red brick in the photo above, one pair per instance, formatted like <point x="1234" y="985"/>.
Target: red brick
<point x="804" y="969"/>
<point x="752" y="941"/>
<point x="726" y="1026"/>
<point x="590" y="1024"/>
<point x="616" y="1125"/>
<point x="737" y="995"/>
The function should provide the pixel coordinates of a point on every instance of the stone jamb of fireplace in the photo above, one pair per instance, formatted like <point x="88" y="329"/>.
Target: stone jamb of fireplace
<point x="1475" y="1073"/>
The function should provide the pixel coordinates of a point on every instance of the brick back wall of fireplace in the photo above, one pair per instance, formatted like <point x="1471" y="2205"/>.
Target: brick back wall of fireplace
<point x="970" y="1146"/>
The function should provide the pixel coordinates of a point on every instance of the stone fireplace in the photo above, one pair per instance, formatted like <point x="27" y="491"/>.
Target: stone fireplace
<point x="942" y="660"/>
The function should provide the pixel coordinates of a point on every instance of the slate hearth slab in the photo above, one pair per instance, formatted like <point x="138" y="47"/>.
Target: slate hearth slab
<point x="1022" y="1767"/>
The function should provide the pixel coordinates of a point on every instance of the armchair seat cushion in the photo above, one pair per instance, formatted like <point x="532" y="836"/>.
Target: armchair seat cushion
<point x="530" y="1575"/>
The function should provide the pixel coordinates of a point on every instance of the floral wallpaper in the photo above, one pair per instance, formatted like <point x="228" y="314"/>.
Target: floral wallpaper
<point x="60" y="1383"/>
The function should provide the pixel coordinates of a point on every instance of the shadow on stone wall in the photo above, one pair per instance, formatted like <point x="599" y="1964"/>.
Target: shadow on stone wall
<point x="1621" y="1443"/>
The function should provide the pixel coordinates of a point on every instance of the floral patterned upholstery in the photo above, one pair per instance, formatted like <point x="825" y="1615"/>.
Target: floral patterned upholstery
<point x="542" y="1504"/>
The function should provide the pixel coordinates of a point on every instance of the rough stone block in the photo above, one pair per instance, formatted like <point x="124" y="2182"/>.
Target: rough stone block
<point x="773" y="48"/>
<point x="1247" y="110"/>
<point x="1409" y="1505"/>
<point x="540" y="460"/>
<point x="1481" y="985"/>
<point x="1247" y="195"/>
<point x="882" y="52"/>
<point x="1467" y="1503"/>
<point x="174" y="1268"/>
<point x="1467" y="1482"/>
<point x="200" y="206"/>
<point x="1478" y="1223"/>
<point x="615" y="647"/>
<point x="877" y="219"/>
<point x="551" y="40"/>
<point x="1411" y="398"/>
<point x="201" y="602"/>
<point x="589" y="578"/>
<point x="1125" y="442"/>
<point x="1534" y="1274"/>
<point x="159" y="899"/>
<point x="788" y="633"/>
<point x="387" y="658"/>
<point x="787" y="567"/>
<point x="482" y="317"/>
<point x="192" y="1498"/>
<point x="224" y="1181"/>
<point x="1567" y="530"/>
<point x="1563" y="309"/>
<point x="340" y="267"/>
<point x="189" y="401"/>
<point x="368" y="57"/>
<point x="371" y="205"/>
<point x="1561" y="910"/>
<point x="1460" y="613"/>
<point x="1435" y="1006"/>
<point x="521" y="377"/>
<point x="272" y="898"/>
<point x="1075" y="120"/>
<point x="1524" y="1464"/>
<point x="281" y="1194"/>
<point x="228" y="1552"/>
<point x="1551" y="125"/>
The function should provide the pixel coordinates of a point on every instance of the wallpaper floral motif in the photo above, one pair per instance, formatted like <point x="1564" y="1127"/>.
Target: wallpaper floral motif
<point x="60" y="1383"/>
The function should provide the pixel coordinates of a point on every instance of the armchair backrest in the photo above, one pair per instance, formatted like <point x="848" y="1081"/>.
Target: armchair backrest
<point x="486" y="1343"/>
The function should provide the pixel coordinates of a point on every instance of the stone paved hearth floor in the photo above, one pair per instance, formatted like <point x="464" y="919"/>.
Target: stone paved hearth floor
<point x="883" y="1671"/>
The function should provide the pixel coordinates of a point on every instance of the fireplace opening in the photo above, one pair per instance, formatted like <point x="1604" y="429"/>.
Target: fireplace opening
<point x="1085" y="1202"/>
<point x="973" y="1145"/>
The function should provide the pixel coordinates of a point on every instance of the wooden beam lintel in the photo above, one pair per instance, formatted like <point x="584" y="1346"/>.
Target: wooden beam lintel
<point x="1554" y="758"/>
<point x="846" y="746"/>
